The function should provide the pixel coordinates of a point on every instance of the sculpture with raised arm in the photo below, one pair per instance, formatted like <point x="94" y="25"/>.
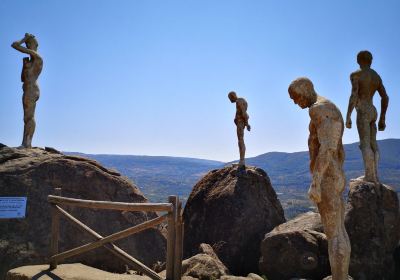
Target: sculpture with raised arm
<point x="241" y="121"/>
<point x="326" y="166"/>
<point x="365" y="82"/>
<point x="31" y="69"/>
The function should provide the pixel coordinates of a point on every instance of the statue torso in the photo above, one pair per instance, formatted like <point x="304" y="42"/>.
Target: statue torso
<point x="326" y="123"/>
<point x="241" y="111"/>
<point x="30" y="73"/>
<point x="31" y="70"/>
<point x="368" y="82"/>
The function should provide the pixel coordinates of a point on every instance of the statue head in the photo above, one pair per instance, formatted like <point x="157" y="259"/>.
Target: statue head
<point x="232" y="96"/>
<point x="364" y="58"/>
<point x="302" y="92"/>
<point x="31" y="42"/>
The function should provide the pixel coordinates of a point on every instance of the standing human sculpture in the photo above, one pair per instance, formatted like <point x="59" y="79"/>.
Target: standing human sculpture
<point x="241" y="121"/>
<point x="326" y="166"/>
<point x="31" y="69"/>
<point x="365" y="82"/>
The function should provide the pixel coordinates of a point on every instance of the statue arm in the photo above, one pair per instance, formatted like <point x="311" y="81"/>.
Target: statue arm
<point x="352" y="100"/>
<point x="384" y="105"/>
<point x="18" y="46"/>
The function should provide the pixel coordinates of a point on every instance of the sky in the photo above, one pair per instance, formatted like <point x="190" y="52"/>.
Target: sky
<point x="149" y="77"/>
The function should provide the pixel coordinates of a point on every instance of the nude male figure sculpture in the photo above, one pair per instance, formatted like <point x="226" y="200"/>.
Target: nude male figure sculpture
<point x="32" y="66"/>
<point x="241" y="121"/>
<point x="365" y="82"/>
<point x="326" y="166"/>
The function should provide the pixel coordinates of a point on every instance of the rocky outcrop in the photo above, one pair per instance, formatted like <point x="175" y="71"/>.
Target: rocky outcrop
<point x="373" y="224"/>
<point x="35" y="173"/>
<point x="296" y="249"/>
<point x="205" y="265"/>
<point x="232" y="210"/>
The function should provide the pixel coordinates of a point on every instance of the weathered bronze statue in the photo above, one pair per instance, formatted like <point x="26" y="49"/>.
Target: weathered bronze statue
<point x="32" y="66"/>
<point x="241" y="121"/>
<point x="326" y="166"/>
<point x="365" y="82"/>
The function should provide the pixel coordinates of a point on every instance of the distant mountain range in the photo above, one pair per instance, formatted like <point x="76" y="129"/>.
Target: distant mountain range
<point x="159" y="176"/>
<point x="292" y="169"/>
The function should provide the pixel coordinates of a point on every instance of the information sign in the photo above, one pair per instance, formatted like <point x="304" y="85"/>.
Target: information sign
<point x="12" y="207"/>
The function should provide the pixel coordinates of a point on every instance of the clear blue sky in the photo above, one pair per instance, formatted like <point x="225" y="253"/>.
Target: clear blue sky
<point x="152" y="77"/>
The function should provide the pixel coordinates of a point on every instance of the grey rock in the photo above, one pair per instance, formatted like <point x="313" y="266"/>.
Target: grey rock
<point x="35" y="173"/>
<point x="373" y="224"/>
<point x="232" y="211"/>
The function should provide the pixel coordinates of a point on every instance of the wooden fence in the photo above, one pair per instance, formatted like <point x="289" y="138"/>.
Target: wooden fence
<point x="173" y="216"/>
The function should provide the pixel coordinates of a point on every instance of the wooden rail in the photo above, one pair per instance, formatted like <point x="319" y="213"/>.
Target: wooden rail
<point x="122" y="206"/>
<point x="174" y="239"/>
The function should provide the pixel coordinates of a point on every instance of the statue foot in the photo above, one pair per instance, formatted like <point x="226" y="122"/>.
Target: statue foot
<point x="241" y="170"/>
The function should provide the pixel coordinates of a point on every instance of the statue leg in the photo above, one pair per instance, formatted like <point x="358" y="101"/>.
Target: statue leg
<point x="375" y="149"/>
<point x="365" y="133"/>
<point x="242" y="147"/>
<point x="332" y="211"/>
<point x="29" y="124"/>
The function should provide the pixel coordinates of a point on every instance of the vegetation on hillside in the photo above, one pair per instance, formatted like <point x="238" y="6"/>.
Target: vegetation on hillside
<point x="159" y="177"/>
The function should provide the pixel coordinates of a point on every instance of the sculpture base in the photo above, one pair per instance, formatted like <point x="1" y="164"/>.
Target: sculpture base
<point x="373" y="225"/>
<point x="240" y="169"/>
<point x="361" y="181"/>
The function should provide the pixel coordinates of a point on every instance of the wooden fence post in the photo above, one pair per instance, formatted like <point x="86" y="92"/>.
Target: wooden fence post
<point x="171" y="238"/>
<point x="178" y="242"/>
<point x="55" y="230"/>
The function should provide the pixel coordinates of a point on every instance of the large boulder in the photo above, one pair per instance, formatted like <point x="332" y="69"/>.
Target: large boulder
<point x="373" y="224"/>
<point x="232" y="210"/>
<point x="35" y="173"/>
<point x="296" y="249"/>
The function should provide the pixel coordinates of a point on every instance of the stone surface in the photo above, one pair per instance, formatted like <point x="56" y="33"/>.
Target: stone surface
<point x="373" y="224"/>
<point x="365" y="82"/>
<point x="250" y="276"/>
<point x="296" y="249"/>
<point x="241" y="121"/>
<point x="35" y="173"/>
<point x="74" y="271"/>
<point x="232" y="210"/>
<point x="206" y="265"/>
<point x="32" y="67"/>
<point x="326" y="166"/>
<point x="203" y="266"/>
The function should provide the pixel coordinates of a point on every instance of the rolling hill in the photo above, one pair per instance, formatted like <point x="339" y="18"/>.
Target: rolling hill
<point x="159" y="177"/>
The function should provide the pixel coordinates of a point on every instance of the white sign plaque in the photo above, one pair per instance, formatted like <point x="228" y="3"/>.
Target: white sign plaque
<point x="12" y="207"/>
